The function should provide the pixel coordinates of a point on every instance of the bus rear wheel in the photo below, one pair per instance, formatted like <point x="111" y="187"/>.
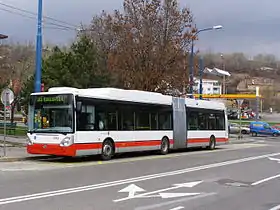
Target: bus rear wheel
<point x="164" y="147"/>
<point x="108" y="150"/>
<point x="212" y="143"/>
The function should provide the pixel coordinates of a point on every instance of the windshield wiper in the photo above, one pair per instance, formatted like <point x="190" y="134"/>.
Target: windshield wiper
<point x="62" y="132"/>
<point x="47" y="131"/>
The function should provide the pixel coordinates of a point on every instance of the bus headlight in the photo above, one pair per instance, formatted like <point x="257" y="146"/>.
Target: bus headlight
<point x="67" y="141"/>
<point x="29" y="142"/>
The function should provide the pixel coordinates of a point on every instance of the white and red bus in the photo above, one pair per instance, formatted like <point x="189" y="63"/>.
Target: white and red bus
<point x="80" y="122"/>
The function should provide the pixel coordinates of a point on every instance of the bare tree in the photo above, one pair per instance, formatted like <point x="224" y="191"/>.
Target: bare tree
<point x="145" y="47"/>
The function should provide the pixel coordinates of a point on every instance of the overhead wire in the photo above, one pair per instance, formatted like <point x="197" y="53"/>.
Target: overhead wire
<point x="63" y="26"/>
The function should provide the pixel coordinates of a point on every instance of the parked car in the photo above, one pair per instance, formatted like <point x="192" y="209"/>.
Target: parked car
<point x="232" y="114"/>
<point x="263" y="128"/>
<point x="235" y="128"/>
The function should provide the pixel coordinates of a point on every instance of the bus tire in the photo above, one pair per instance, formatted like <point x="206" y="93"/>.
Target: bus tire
<point x="212" y="143"/>
<point x="108" y="149"/>
<point x="164" y="146"/>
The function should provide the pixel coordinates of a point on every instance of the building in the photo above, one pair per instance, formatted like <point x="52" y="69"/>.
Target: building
<point x="248" y="85"/>
<point x="208" y="86"/>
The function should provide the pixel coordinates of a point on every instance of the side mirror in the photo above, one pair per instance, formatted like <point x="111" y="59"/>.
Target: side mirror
<point x="79" y="106"/>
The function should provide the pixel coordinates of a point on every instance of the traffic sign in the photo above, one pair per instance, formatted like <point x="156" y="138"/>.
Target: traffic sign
<point x="240" y="102"/>
<point x="7" y="96"/>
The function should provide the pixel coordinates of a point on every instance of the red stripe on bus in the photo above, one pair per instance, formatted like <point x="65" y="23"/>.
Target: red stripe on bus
<point x="145" y="143"/>
<point x="138" y="143"/>
<point x="205" y="140"/>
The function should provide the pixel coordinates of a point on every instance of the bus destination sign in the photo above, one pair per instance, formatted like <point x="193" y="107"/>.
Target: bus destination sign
<point x="51" y="99"/>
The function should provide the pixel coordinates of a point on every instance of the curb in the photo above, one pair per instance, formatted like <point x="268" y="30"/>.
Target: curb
<point x="13" y="159"/>
<point x="17" y="159"/>
<point x="237" y="141"/>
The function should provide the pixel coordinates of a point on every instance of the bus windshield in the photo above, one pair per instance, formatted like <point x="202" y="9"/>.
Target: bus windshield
<point x="51" y="114"/>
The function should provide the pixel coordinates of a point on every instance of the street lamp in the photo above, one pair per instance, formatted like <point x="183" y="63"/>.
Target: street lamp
<point x="217" y="27"/>
<point x="38" y="71"/>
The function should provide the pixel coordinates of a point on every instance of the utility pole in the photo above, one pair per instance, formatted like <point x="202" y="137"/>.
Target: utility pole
<point x="38" y="70"/>
<point x="224" y="76"/>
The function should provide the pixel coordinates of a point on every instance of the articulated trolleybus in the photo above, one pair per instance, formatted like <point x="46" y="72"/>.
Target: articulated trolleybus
<point x="67" y="121"/>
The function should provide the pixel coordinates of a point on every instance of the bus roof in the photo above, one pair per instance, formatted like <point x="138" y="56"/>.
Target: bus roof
<point x="139" y="96"/>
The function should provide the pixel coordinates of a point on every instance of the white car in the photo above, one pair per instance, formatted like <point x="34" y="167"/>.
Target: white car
<point x="235" y="128"/>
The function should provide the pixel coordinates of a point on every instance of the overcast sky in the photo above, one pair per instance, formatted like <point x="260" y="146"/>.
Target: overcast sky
<point x="250" y="26"/>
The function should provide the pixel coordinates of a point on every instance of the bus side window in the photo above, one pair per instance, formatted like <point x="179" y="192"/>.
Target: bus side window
<point x="220" y="120"/>
<point x="154" y="121"/>
<point x="192" y="121"/>
<point x="212" y="125"/>
<point x="127" y="119"/>
<point x="86" y="119"/>
<point x="165" y="121"/>
<point x="202" y="121"/>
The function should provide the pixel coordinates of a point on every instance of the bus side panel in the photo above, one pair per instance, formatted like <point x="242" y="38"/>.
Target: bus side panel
<point x="90" y="142"/>
<point x="143" y="140"/>
<point x="202" y="138"/>
<point x="179" y="123"/>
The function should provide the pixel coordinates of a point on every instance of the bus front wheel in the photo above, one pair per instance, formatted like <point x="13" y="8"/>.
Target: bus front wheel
<point x="164" y="147"/>
<point x="107" y="150"/>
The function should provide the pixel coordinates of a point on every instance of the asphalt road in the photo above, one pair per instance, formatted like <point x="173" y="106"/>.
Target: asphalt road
<point x="234" y="177"/>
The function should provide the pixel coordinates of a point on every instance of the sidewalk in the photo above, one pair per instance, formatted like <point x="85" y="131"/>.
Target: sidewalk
<point x="16" y="154"/>
<point x="19" y="140"/>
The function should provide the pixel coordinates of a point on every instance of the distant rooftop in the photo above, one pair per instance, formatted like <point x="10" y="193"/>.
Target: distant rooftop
<point x="2" y="36"/>
<point x="217" y="72"/>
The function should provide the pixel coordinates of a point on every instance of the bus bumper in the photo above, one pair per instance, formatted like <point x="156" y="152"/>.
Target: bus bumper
<point x="52" y="149"/>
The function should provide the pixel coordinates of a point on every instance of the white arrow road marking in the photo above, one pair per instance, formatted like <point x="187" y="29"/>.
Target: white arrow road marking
<point x="132" y="189"/>
<point x="188" y="184"/>
<point x="175" y="195"/>
<point x="265" y="180"/>
<point x="275" y="208"/>
<point x="178" y="208"/>
<point x="274" y="159"/>
<point x="176" y="186"/>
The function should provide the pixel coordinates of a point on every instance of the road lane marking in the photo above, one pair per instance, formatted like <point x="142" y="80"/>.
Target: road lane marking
<point x="22" y="198"/>
<point x="175" y="186"/>
<point x="275" y="208"/>
<point x="274" y="159"/>
<point x="178" y="208"/>
<point x="265" y="180"/>
<point x="162" y="204"/>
